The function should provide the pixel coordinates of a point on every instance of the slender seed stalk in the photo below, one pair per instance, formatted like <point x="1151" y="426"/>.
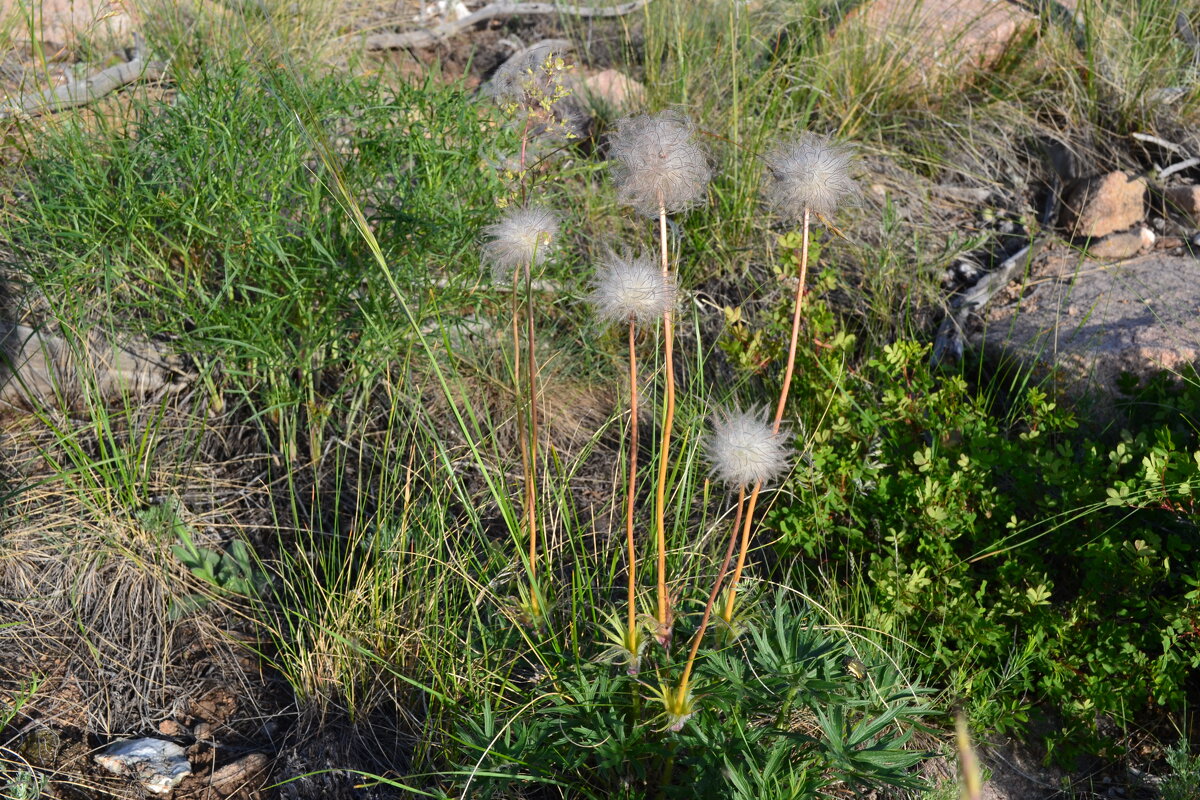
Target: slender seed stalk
<point x="712" y="597"/>
<point x="531" y="473"/>
<point x="633" y="451"/>
<point x="741" y="560"/>
<point x="791" y="362"/>
<point x="632" y="290"/>
<point x="660" y="496"/>
<point x="783" y="395"/>
<point x="527" y="468"/>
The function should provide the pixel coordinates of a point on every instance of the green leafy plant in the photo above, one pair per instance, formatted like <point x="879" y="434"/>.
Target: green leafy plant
<point x="780" y="716"/>
<point x="1184" y="780"/>
<point x="234" y="570"/>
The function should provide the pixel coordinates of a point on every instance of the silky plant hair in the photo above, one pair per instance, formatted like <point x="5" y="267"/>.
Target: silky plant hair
<point x="631" y="288"/>
<point x="744" y="449"/>
<point x="810" y="171"/>
<point x="658" y="164"/>
<point x="524" y="237"/>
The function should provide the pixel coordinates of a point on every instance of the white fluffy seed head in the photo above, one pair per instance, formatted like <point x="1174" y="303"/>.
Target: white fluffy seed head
<point x="523" y="237"/>
<point x="631" y="289"/>
<point x="658" y="163"/>
<point x="811" y="171"/>
<point x="742" y="449"/>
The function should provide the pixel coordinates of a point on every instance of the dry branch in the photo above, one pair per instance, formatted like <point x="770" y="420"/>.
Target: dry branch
<point x="81" y="92"/>
<point x="431" y="36"/>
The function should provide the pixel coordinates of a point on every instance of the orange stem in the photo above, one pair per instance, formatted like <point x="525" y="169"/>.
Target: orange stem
<point x="531" y="475"/>
<point x="712" y="597"/>
<point x="660" y="496"/>
<point x="791" y="362"/>
<point x="783" y="395"/>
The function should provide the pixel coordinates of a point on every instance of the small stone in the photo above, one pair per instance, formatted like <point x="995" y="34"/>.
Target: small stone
<point x="158" y="765"/>
<point x="203" y="731"/>
<point x="1102" y="205"/>
<point x="616" y="90"/>
<point x="1183" y="201"/>
<point x="1122" y="245"/>
<point x="169" y="727"/>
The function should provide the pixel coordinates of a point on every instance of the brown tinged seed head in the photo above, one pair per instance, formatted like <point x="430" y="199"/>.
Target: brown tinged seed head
<point x="810" y="172"/>
<point x="523" y="237"/>
<point x="658" y="163"/>
<point x="744" y="450"/>
<point x="631" y="289"/>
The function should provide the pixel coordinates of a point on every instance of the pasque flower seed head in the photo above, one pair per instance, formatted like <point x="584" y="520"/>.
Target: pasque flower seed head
<point x="523" y="237"/>
<point x="743" y="449"/>
<point x="809" y="172"/>
<point x="631" y="289"/>
<point x="658" y="163"/>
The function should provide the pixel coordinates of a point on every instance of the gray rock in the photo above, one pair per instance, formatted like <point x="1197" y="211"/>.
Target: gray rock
<point x="1085" y="323"/>
<point x="158" y="765"/>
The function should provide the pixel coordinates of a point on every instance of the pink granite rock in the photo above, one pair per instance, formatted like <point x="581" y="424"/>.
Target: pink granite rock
<point x="943" y="35"/>
<point x="1103" y="204"/>
<point x="1183" y="201"/>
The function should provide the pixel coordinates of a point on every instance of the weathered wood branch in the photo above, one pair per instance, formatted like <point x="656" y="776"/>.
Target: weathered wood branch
<point x="39" y="368"/>
<point x="431" y="36"/>
<point x="82" y="92"/>
<point x="950" y="339"/>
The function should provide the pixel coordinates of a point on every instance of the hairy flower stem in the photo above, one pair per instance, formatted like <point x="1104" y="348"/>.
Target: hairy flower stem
<point x="629" y="500"/>
<point x="783" y="395"/>
<point x="712" y="596"/>
<point x="660" y="496"/>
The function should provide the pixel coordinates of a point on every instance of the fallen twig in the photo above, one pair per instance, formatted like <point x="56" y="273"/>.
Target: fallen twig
<point x="431" y="36"/>
<point x="81" y="92"/>
<point x="1163" y="143"/>
<point x="949" y="342"/>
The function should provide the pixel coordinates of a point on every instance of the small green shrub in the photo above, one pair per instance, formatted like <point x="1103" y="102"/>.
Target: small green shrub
<point x="994" y="543"/>
<point x="1184" y="781"/>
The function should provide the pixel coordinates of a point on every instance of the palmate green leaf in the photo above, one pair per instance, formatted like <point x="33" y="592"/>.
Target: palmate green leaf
<point x="868" y="729"/>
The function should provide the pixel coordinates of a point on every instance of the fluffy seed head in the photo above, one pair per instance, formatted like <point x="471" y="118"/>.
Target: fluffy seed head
<point x="658" y="163"/>
<point x="523" y="237"/>
<point x="742" y="449"/>
<point x="809" y="171"/>
<point x="631" y="289"/>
